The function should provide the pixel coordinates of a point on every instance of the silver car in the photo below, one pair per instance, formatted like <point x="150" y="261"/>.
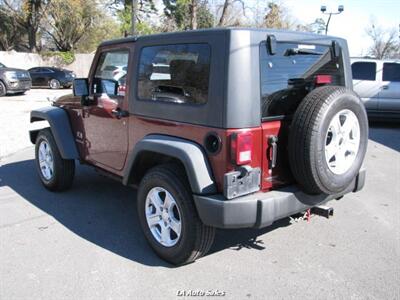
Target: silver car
<point x="377" y="82"/>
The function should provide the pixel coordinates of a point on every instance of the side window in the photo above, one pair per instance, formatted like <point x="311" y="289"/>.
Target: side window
<point x="364" y="70"/>
<point x="109" y="77"/>
<point x="175" y="73"/>
<point x="391" y="72"/>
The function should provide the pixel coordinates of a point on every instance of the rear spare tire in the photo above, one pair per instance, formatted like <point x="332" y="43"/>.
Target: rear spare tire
<point x="328" y="140"/>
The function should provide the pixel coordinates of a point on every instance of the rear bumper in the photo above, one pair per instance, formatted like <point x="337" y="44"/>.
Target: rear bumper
<point x="262" y="209"/>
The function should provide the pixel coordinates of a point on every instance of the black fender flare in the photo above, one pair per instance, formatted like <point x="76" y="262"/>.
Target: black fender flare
<point x="190" y="154"/>
<point x="60" y="128"/>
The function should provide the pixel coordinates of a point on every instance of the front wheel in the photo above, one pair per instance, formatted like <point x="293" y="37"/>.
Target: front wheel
<point x="54" y="84"/>
<point x="3" y="89"/>
<point x="55" y="173"/>
<point x="168" y="216"/>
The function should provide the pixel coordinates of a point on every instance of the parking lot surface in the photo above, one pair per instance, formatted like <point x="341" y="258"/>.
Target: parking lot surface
<point x="14" y="117"/>
<point x="86" y="243"/>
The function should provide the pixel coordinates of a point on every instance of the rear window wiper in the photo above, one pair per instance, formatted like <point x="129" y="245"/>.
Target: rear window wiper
<point x="297" y="51"/>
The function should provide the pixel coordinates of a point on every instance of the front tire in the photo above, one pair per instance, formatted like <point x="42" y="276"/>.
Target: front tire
<point x="55" y="173"/>
<point x="3" y="89"/>
<point x="168" y="216"/>
<point x="54" y="84"/>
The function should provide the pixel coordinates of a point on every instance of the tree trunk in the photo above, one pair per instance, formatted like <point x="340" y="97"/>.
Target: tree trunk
<point x="133" y="16"/>
<point x="193" y="15"/>
<point x="224" y="13"/>
<point x="32" y="39"/>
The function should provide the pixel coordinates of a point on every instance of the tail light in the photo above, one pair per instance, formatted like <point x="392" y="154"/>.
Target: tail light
<point x="323" y="79"/>
<point x="241" y="147"/>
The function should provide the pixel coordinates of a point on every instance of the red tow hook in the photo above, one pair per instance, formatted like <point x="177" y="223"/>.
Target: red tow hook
<point x="308" y="215"/>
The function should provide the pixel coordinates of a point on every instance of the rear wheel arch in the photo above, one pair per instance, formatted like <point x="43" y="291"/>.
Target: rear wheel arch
<point x="155" y="149"/>
<point x="145" y="161"/>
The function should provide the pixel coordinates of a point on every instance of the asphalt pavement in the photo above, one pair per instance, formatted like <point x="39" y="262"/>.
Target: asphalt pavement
<point x="86" y="243"/>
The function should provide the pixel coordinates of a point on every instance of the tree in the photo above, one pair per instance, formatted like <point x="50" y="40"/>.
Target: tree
<point x="275" y="18"/>
<point x="384" y="44"/>
<point x="26" y="14"/>
<point x="11" y="33"/>
<point x="69" y="20"/>
<point x="104" y="28"/>
<point x="187" y="14"/>
<point x="33" y="13"/>
<point x="318" y="26"/>
<point x="193" y="14"/>
<point x="123" y="10"/>
<point x="229" y="14"/>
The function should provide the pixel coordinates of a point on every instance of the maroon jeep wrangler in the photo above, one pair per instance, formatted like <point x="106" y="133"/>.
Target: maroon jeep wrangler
<point x="222" y="128"/>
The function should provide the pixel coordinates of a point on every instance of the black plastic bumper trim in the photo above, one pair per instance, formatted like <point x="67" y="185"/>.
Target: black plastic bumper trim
<point x="263" y="208"/>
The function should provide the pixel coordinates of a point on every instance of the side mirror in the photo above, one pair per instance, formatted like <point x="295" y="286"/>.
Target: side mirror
<point x="271" y="44"/>
<point x="81" y="87"/>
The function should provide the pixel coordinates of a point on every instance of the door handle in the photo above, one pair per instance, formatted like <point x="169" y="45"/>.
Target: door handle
<point x="272" y="151"/>
<point x="385" y="87"/>
<point x="119" y="113"/>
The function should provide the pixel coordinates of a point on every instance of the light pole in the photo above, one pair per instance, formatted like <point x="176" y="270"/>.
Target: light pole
<point x="323" y="10"/>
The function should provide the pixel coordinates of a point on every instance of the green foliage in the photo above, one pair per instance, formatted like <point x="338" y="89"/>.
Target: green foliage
<point x="145" y="10"/>
<point x="180" y="12"/>
<point x="63" y="58"/>
<point x="69" y="21"/>
<point x="104" y="28"/>
<point x="143" y="28"/>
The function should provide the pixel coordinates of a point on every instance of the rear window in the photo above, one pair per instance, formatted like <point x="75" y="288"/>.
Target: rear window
<point x="289" y="74"/>
<point x="364" y="70"/>
<point x="175" y="73"/>
<point x="391" y="72"/>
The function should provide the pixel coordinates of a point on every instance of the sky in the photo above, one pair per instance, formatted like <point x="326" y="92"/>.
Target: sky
<point x="351" y="23"/>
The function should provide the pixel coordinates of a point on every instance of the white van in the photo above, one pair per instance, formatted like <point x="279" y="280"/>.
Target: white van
<point x="377" y="82"/>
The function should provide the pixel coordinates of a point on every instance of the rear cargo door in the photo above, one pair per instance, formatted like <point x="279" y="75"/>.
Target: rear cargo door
<point x="287" y="76"/>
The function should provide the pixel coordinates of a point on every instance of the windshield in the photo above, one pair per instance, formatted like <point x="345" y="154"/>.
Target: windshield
<point x="2" y="66"/>
<point x="288" y="75"/>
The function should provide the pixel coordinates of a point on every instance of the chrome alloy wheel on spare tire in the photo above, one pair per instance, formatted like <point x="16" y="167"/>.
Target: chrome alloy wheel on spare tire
<point x="328" y="140"/>
<point x="342" y="141"/>
<point x="163" y="216"/>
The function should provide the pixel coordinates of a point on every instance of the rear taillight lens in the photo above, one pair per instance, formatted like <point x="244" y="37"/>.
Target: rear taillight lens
<point x="241" y="147"/>
<point x="323" y="79"/>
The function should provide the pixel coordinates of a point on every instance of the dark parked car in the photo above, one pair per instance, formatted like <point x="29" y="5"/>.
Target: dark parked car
<point x="13" y="81"/>
<point x="51" y="77"/>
